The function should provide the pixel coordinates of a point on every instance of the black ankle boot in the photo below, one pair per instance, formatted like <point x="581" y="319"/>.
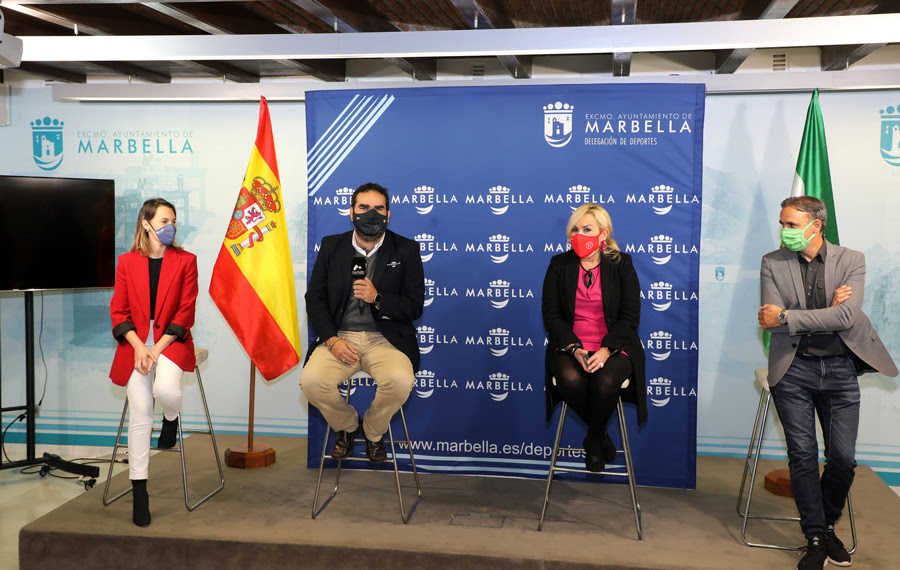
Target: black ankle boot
<point x="141" y="515"/>
<point x="168" y="434"/>
<point x="607" y="448"/>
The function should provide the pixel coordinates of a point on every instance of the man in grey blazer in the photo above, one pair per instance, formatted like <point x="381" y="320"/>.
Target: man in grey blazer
<point x="812" y="296"/>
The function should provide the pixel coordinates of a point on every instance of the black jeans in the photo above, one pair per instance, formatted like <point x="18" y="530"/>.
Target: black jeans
<point x="826" y="387"/>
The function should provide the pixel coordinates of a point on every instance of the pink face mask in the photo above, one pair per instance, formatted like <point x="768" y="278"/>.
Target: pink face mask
<point x="584" y="245"/>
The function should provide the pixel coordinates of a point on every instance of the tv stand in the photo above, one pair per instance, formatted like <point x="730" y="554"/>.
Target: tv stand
<point x="49" y="461"/>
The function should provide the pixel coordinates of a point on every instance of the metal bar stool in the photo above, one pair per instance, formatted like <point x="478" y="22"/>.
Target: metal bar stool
<point x="627" y="473"/>
<point x="201" y="354"/>
<point x="392" y="459"/>
<point x="750" y="466"/>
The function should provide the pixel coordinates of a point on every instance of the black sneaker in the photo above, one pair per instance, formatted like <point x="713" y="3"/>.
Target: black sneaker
<point x="837" y="554"/>
<point x="816" y="557"/>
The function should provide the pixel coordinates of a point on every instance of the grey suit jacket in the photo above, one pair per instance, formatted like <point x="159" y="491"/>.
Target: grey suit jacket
<point x="782" y="285"/>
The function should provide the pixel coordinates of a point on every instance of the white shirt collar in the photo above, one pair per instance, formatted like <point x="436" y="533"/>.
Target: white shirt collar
<point x="361" y="251"/>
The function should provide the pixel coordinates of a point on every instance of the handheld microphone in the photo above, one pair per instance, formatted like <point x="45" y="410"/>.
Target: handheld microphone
<point x="358" y="269"/>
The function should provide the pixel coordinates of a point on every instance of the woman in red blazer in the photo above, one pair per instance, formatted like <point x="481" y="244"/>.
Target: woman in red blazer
<point x="152" y="312"/>
<point x="591" y="305"/>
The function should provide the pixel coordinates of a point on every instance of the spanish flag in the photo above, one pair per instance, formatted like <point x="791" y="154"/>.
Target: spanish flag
<point x="253" y="280"/>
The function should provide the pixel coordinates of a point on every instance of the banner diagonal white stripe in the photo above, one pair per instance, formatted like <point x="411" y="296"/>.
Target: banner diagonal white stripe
<point x="340" y="138"/>
<point x="337" y="131"/>
<point x="362" y="132"/>
<point x="332" y="126"/>
<point x="318" y="178"/>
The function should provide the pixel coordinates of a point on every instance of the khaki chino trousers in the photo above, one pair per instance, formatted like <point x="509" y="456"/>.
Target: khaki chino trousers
<point x="390" y="368"/>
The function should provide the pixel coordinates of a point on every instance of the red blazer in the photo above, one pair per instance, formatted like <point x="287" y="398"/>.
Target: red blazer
<point x="176" y="298"/>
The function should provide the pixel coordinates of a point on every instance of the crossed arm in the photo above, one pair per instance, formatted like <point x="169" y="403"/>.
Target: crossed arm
<point x="846" y="303"/>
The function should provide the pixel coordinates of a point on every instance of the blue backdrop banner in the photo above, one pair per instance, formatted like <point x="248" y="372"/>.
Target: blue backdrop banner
<point x="485" y="179"/>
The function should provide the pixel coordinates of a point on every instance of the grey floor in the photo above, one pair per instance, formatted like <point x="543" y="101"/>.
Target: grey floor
<point x="460" y="516"/>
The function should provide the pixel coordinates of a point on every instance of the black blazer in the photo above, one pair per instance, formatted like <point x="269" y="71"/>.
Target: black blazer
<point x="398" y="276"/>
<point x="621" y="308"/>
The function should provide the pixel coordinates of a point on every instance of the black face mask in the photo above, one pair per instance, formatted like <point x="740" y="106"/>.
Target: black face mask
<point x="370" y="223"/>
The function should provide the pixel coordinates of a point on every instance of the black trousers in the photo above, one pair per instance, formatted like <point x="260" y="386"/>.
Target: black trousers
<point x="593" y="396"/>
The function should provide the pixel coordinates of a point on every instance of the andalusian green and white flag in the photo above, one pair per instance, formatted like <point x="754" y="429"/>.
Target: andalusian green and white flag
<point x="813" y="177"/>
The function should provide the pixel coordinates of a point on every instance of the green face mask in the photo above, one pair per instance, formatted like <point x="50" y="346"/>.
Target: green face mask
<point x="793" y="239"/>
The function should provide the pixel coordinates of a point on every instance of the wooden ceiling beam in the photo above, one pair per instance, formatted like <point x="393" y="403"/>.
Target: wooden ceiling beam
<point x="321" y="69"/>
<point x="106" y="19"/>
<point x="215" y="21"/>
<point x="132" y="70"/>
<point x="29" y="21"/>
<point x="227" y="18"/>
<point x="622" y="13"/>
<point x="361" y="15"/>
<point x="348" y="16"/>
<point x="50" y="72"/>
<point x="727" y="61"/>
<point x="224" y="70"/>
<point x="172" y="18"/>
<point x="838" y="58"/>
<point x="291" y="17"/>
<point x="492" y="14"/>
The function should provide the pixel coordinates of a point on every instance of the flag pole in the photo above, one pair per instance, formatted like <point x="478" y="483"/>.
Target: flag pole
<point x="250" y="456"/>
<point x="253" y="281"/>
<point x="252" y="406"/>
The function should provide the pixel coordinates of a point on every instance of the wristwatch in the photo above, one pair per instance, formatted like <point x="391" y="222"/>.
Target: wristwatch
<point x="782" y="317"/>
<point x="378" y="298"/>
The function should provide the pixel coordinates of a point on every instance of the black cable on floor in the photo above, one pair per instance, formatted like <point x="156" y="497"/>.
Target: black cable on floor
<point x="3" y="435"/>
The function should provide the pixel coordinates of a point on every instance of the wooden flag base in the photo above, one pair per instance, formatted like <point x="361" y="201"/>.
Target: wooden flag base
<point x="241" y="457"/>
<point x="778" y="482"/>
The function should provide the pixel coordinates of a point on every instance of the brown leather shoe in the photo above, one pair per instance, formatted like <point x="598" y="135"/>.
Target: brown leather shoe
<point x="343" y="441"/>
<point x="375" y="450"/>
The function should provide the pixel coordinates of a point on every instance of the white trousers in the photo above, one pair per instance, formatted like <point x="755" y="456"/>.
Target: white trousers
<point x="163" y="384"/>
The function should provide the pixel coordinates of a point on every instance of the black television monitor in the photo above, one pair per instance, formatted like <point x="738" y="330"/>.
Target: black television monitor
<point x="58" y="233"/>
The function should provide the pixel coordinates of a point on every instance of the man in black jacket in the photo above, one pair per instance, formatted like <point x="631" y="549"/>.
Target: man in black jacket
<point x="364" y="322"/>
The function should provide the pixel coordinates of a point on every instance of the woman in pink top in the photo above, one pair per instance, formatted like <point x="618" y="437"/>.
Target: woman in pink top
<point x="591" y="305"/>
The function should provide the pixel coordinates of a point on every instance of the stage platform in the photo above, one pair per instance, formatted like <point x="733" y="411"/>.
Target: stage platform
<point x="262" y="520"/>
